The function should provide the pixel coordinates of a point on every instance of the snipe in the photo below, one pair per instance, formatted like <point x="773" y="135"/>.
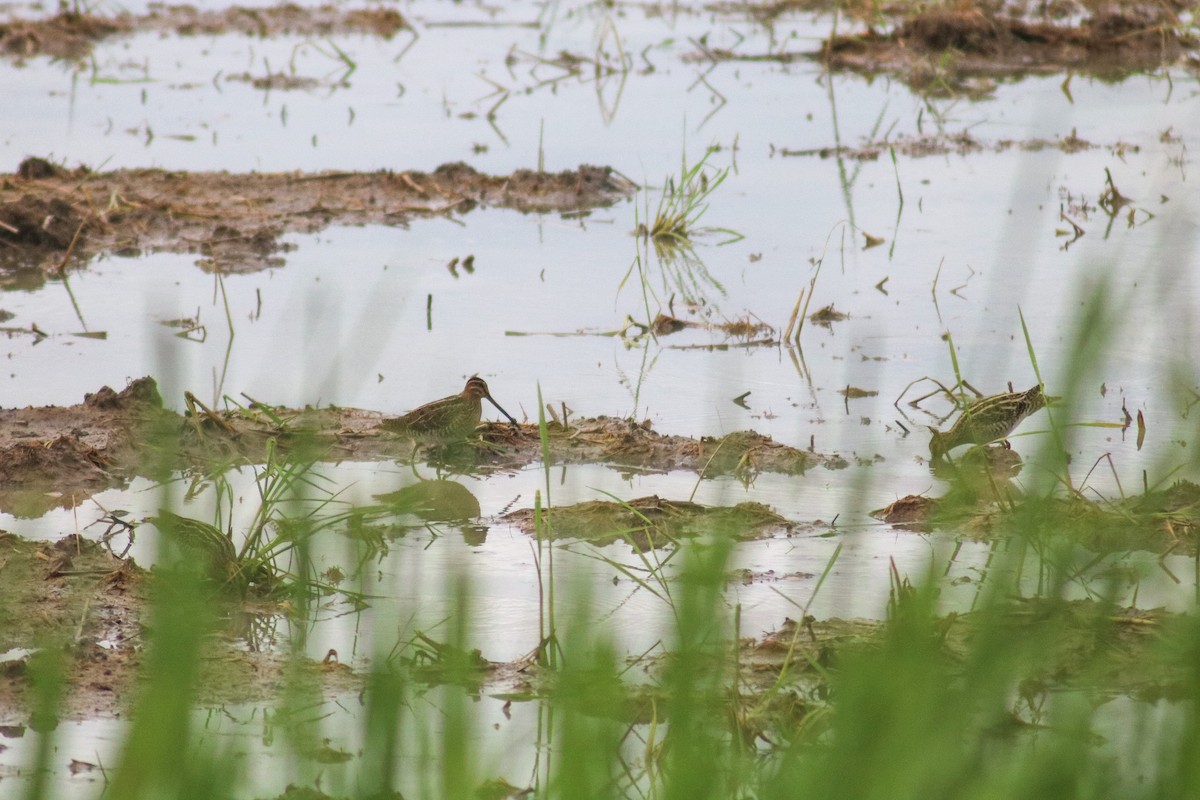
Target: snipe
<point x="988" y="419"/>
<point x="450" y="419"/>
<point x="211" y="549"/>
<point x="200" y="545"/>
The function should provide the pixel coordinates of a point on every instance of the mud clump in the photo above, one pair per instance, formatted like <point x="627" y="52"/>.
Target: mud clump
<point x="77" y="592"/>
<point x="56" y="457"/>
<point x="949" y="44"/>
<point x="940" y="29"/>
<point x="973" y="31"/>
<point x="235" y="222"/>
<point x="34" y="168"/>
<point x="142" y="392"/>
<point x="912" y="513"/>
<point x="31" y="462"/>
<point x="66" y="35"/>
<point x="71" y="36"/>
<point x="40" y="223"/>
<point x="647" y="523"/>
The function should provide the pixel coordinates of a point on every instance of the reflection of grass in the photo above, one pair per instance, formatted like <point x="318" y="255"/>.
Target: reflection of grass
<point x="931" y="702"/>
<point x="674" y="230"/>
<point x="547" y="650"/>
<point x="272" y="559"/>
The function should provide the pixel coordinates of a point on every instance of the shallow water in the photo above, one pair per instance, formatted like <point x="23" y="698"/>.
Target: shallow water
<point x="256" y="746"/>
<point x="972" y="247"/>
<point x="345" y="320"/>
<point x="415" y="569"/>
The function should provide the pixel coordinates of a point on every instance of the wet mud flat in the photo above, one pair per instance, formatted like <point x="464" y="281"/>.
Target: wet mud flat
<point x="55" y="217"/>
<point x="966" y="46"/>
<point x="101" y="600"/>
<point x="59" y="455"/>
<point x="81" y="591"/>
<point x="983" y="38"/>
<point x="77" y="595"/>
<point x="71" y="34"/>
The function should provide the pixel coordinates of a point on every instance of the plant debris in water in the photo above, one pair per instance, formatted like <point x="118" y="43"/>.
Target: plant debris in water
<point x="1161" y="521"/>
<point x="647" y="523"/>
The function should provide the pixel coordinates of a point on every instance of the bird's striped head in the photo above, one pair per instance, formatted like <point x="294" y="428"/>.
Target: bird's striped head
<point x="476" y="387"/>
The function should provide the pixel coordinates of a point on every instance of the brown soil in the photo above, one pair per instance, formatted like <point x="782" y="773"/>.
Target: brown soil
<point x="940" y="48"/>
<point x="69" y="35"/>
<point x="57" y="456"/>
<point x="51" y="216"/>
<point x="940" y="42"/>
<point x="962" y="48"/>
<point x="75" y="593"/>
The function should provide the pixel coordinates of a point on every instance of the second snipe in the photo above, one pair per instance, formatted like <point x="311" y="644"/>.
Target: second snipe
<point x="450" y="419"/>
<point x="988" y="419"/>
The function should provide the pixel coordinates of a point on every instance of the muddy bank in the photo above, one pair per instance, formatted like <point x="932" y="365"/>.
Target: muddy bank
<point x="928" y="45"/>
<point x="77" y="595"/>
<point x="948" y="50"/>
<point x="792" y="673"/>
<point x="939" y="49"/>
<point x="1162" y="521"/>
<point x="71" y="35"/>
<point x="57" y="456"/>
<point x="939" y="45"/>
<point x="53" y="217"/>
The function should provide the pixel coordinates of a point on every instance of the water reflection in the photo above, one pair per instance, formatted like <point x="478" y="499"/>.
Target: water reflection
<point x="441" y="500"/>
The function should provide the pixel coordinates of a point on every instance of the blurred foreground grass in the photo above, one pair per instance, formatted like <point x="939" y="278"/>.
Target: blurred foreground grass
<point x="1025" y="695"/>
